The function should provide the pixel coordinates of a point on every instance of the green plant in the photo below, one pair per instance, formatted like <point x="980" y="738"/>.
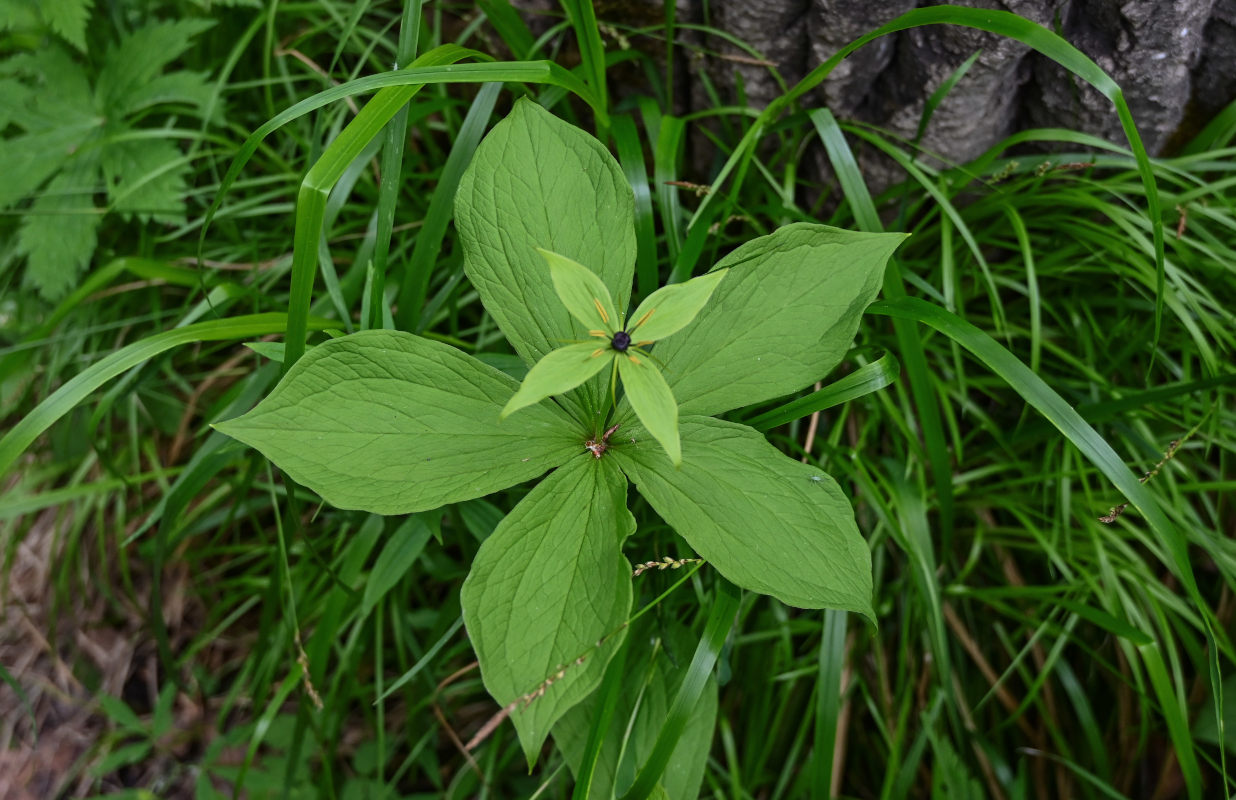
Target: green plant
<point x="394" y="423"/>
<point x="78" y="135"/>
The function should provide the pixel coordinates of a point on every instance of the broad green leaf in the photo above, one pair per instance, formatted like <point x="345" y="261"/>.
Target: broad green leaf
<point x="391" y="423"/>
<point x="583" y="293"/>
<point x="648" y="686"/>
<point x="766" y="522"/>
<point x="545" y="588"/>
<point x="561" y="371"/>
<point x="653" y="402"/>
<point x="783" y="317"/>
<point x="536" y="181"/>
<point x="671" y="308"/>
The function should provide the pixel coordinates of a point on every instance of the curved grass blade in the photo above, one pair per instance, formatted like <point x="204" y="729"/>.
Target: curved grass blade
<point x="393" y="138"/>
<point x="631" y="158"/>
<point x="607" y="697"/>
<point x="921" y="383"/>
<point x="415" y="283"/>
<point x="863" y="381"/>
<point x="80" y="386"/>
<point x="583" y="18"/>
<point x="720" y="620"/>
<point x="17" y="357"/>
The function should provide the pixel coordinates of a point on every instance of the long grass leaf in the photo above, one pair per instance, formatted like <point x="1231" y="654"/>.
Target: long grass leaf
<point x="720" y="620"/>
<point x="922" y="386"/>
<point x="863" y="381"/>
<point x="80" y="386"/>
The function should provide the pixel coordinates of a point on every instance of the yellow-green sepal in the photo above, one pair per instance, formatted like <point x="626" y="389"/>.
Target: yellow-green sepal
<point x="583" y="293"/>
<point x="671" y="308"/>
<point x="653" y="402"/>
<point x="560" y="371"/>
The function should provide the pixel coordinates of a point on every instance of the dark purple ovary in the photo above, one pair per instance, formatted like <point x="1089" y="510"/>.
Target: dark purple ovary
<point x="621" y="341"/>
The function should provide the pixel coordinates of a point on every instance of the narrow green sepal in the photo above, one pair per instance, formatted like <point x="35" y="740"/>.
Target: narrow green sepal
<point x="583" y="293"/>
<point x="671" y="308"/>
<point x="559" y="371"/>
<point x="653" y="402"/>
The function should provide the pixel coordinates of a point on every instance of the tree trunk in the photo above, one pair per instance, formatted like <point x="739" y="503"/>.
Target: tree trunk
<point x="1174" y="59"/>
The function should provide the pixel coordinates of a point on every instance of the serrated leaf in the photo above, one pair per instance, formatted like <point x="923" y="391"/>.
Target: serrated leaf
<point x="146" y="178"/>
<point x="582" y="292"/>
<point x="648" y="687"/>
<point x="62" y="95"/>
<point x="781" y="320"/>
<point x="139" y="57"/>
<point x="13" y="96"/>
<point x="182" y="87"/>
<point x="766" y="522"/>
<point x="57" y="234"/>
<point x="671" y="308"/>
<point x="398" y="555"/>
<point x="536" y="181"/>
<point x="545" y="588"/>
<point x="27" y="161"/>
<point x="19" y="15"/>
<point x="559" y="372"/>
<point x="653" y="402"/>
<point x="393" y="423"/>
<point x="68" y="18"/>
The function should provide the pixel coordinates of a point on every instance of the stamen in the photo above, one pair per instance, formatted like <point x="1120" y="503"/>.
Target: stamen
<point x="597" y="352"/>
<point x="601" y="310"/>
<point x="644" y="318"/>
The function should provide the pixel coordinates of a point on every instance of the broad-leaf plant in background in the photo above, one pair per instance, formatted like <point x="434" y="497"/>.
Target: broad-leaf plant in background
<point x="77" y="134"/>
<point x="394" y="423"/>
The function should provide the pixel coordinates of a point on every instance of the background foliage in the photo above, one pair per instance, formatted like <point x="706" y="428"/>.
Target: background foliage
<point x="177" y="618"/>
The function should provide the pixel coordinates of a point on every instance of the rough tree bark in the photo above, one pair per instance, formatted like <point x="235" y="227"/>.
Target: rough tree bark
<point x="1175" y="60"/>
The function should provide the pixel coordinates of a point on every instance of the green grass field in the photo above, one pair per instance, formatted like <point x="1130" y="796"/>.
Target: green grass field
<point x="179" y="620"/>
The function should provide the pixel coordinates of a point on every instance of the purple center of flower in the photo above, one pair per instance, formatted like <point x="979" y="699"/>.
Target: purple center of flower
<point x="621" y="341"/>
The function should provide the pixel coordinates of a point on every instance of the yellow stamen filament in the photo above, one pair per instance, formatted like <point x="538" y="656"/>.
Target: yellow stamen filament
<point x="644" y="318"/>
<point x="601" y="310"/>
<point x="644" y="344"/>
<point x="597" y="352"/>
<point x="634" y="360"/>
<point x="602" y="334"/>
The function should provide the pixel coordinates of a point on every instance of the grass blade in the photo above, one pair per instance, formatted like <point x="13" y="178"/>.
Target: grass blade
<point x="720" y="620"/>
<point x="862" y="381"/>
<point x="921" y="384"/>
<point x="415" y="283"/>
<point x="88" y="380"/>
